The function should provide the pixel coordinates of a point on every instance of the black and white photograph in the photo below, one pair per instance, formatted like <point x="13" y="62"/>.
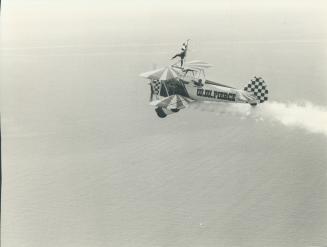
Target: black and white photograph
<point x="151" y="123"/>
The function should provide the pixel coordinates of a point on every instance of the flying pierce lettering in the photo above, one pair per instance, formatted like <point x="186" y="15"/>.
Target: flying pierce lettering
<point x="215" y="94"/>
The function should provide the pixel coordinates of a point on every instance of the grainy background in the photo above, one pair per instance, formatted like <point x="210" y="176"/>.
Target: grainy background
<point x="86" y="162"/>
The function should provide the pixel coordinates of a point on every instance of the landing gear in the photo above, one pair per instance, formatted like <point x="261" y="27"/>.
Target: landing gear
<point x="160" y="112"/>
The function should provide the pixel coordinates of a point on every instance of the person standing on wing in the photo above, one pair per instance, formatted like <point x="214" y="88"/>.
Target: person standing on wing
<point x="183" y="53"/>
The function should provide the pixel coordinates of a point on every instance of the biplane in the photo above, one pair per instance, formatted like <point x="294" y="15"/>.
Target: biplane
<point x="174" y="87"/>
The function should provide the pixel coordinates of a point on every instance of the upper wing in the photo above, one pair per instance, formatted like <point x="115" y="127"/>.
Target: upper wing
<point x="175" y="101"/>
<point x="162" y="74"/>
<point x="197" y="65"/>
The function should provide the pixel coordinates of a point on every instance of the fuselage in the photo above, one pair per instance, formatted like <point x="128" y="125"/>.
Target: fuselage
<point x="209" y="92"/>
<point x="201" y="89"/>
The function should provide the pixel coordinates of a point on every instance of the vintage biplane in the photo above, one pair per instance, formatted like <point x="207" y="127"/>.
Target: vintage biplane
<point x="174" y="87"/>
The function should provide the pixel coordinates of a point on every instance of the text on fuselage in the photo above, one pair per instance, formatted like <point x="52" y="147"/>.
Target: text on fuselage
<point x="215" y="94"/>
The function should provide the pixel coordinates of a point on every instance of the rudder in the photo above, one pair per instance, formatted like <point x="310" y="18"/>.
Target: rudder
<point x="258" y="87"/>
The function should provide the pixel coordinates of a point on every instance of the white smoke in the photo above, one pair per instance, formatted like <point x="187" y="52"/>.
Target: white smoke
<point x="306" y="116"/>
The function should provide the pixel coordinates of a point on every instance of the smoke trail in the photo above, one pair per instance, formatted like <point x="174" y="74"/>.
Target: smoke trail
<point x="306" y="116"/>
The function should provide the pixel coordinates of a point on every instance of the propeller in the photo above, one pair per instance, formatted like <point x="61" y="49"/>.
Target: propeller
<point x="154" y="67"/>
<point x="151" y="92"/>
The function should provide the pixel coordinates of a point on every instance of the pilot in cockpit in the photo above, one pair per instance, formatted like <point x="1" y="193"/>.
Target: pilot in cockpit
<point x="198" y="83"/>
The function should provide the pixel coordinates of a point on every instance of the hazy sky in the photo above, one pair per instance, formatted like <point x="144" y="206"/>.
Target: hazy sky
<point x="86" y="161"/>
<point x="76" y="22"/>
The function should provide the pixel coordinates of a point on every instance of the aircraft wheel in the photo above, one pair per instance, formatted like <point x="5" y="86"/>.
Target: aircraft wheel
<point x="160" y="112"/>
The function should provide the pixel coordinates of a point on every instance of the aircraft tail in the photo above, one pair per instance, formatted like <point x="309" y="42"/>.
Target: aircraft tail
<point x="258" y="87"/>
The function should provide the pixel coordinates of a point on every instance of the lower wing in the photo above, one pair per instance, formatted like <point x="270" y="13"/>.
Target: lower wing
<point x="173" y="102"/>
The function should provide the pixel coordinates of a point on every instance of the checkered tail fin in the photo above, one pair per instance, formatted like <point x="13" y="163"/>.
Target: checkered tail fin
<point x="258" y="87"/>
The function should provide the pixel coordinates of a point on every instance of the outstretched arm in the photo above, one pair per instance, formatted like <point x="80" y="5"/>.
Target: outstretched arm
<point x="187" y="42"/>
